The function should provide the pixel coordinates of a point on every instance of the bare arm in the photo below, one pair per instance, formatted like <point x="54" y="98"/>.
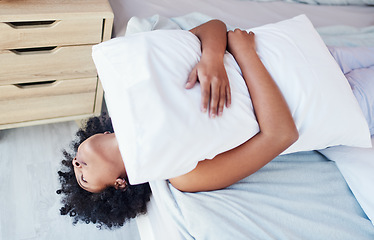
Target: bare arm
<point x="210" y="71"/>
<point x="277" y="128"/>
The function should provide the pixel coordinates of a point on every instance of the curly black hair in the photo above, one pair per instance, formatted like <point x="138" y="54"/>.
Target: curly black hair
<point x="109" y="208"/>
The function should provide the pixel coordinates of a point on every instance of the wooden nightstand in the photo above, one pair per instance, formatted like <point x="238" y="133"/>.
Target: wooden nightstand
<point x="46" y="70"/>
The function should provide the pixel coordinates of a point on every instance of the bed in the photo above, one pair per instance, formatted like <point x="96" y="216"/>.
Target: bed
<point x="303" y="195"/>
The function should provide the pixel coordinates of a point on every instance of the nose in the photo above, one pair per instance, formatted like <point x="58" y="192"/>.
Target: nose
<point x="76" y="163"/>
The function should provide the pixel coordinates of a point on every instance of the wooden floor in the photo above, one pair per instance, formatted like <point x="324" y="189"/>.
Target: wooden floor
<point x="29" y="205"/>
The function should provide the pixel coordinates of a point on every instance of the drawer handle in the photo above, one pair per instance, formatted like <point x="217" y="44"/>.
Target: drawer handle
<point x="32" y="24"/>
<point x="38" y="50"/>
<point x="36" y="84"/>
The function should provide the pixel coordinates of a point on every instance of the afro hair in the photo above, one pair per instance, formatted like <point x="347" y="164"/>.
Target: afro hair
<point x="109" y="208"/>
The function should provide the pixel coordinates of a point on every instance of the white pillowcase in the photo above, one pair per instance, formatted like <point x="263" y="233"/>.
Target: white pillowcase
<point x="158" y="123"/>
<point x="357" y="167"/>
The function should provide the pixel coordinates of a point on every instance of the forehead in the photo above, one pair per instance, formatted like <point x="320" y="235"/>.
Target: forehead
<point x="90" y="147"/>
<point x="89" y="142"/>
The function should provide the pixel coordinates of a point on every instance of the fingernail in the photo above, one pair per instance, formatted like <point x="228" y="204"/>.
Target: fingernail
<point x="188" y="84"/>
<point x="203" y="109"/>
<point x="220" y="113"/>
<point x="213" y="115"/>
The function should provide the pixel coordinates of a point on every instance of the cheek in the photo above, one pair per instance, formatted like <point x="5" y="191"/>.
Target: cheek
<point x="100" y="176"/>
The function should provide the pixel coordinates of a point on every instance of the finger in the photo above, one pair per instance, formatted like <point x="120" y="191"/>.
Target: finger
<point x="192" y="78"/>
<point x="205" y="94"/>
<point x="221" y="101"/>
<point x="215" y="94"/>
<point x="228" y="96"/>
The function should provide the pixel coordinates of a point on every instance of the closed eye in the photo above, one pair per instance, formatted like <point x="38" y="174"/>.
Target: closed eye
<point x="84" y="180"/>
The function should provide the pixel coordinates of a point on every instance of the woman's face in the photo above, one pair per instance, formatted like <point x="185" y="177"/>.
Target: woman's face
<point x="98" y="163"/>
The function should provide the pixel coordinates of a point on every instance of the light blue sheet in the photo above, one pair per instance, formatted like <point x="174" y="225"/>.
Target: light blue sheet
<point x="296" y="196"/>
<point x="347" y="36"/>
<point x="331" y="35"/>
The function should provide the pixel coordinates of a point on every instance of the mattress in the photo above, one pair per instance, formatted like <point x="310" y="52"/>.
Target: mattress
<point x="243" y="14"/>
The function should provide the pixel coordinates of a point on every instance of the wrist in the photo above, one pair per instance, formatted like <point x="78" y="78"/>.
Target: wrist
<point x="244" y="53"/>
<point x="212" y="60"/>
<point x="212" y="54"/>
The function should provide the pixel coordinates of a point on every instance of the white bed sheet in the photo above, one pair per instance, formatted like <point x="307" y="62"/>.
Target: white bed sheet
<point x="245" y="14"/>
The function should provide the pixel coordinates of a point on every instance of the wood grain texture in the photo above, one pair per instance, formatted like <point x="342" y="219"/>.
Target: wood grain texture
<point x="28" y="10"/>
<point x="29" y="206"/>
<point x="58" y="99"/>
<point x="99" y="98"/>
<point x="58" y="63"/>
<point x="50" y="40"/>
<point x="59" y="33"/>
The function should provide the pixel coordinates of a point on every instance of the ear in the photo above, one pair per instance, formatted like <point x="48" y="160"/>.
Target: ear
<point x="107" y="132"/>
<point x="120" y="184"/>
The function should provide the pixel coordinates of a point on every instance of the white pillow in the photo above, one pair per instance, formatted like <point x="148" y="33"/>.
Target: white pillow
<point x="158" y="123"/>
<point x="357" y="167"/>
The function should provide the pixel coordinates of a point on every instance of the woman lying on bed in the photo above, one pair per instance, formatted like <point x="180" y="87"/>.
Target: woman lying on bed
<point x="95" y="184"/>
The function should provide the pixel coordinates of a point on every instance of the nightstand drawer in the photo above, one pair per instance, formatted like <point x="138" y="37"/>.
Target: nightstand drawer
<point x="27" y="102"/>
<point x="40" y="64"/>
<point x="31" y="34"/>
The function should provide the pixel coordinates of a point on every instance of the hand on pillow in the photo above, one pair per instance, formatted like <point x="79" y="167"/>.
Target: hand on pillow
<point x="214" y="84"/>
<point x="210" y="70"/>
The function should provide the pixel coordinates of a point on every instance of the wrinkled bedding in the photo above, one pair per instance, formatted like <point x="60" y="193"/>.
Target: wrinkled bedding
<point x="296" y="196"/>
<point x="357" y="64"/>
<point x="334" y="35"/>
<point x="326" y="2"/>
